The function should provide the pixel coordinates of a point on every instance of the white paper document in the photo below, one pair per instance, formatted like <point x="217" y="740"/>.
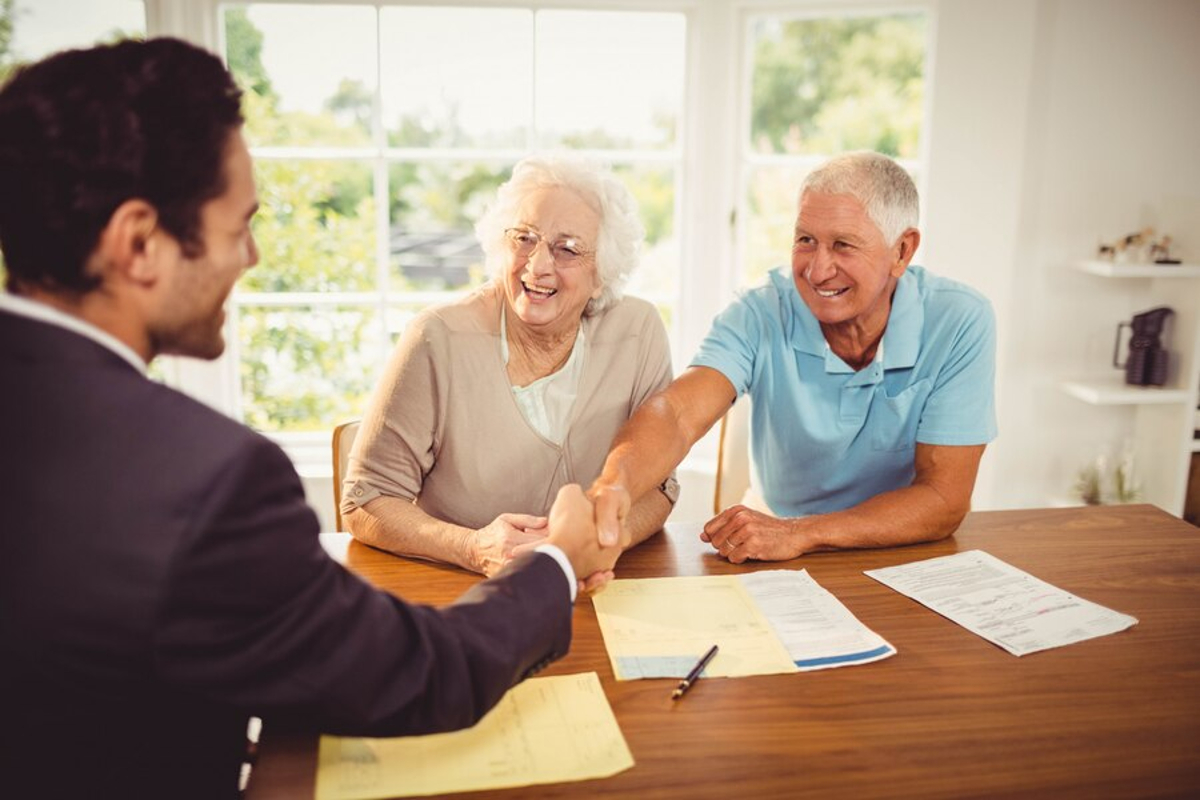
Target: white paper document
<point x="1001" y="603"/>
<point x="817" y="630"/>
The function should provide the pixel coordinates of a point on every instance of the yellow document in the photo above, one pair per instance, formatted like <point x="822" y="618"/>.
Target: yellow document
<point x="659" y="628"/>
<point x="545" y="730"/>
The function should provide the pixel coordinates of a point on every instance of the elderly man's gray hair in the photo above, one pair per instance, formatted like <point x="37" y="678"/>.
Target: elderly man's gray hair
<point x="618" y="243"/>
<point x="879" y="183"/>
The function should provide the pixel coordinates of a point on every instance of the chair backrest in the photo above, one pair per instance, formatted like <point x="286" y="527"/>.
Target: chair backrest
<point x="343" y="440"/>
<point x="733" y="456"/>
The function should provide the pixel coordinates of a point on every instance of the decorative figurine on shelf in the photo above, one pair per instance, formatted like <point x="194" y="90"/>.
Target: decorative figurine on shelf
<point x="1160" y="251"/>
<point x="1139" y="247"/>
<point x="1129" y="249"/>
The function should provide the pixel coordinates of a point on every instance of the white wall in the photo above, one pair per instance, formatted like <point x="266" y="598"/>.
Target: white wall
<point x="982" y="71"/>
<point x="1054" y="124"/>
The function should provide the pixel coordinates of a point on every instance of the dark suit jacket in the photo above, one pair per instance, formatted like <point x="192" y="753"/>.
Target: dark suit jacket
<point x="161" y="580"/>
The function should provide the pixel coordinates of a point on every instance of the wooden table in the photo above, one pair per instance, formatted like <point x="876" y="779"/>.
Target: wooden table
<point x="950" y="715"/>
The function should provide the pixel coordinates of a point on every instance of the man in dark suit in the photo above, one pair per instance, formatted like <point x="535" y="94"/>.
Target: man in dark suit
<point x="161" y="579"/>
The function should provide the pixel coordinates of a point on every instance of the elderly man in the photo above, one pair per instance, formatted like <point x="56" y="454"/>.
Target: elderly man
<point x="871" y="383"/>
<point x="162" y="579"/>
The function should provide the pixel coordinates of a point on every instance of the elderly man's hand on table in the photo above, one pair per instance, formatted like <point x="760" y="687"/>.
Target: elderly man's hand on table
<point x="739" y="533"/>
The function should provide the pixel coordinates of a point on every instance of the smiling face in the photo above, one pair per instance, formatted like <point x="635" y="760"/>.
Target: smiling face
<point x="191" y="315"/>
<point x="546" y="296"/>
<point x="843" y="267"/>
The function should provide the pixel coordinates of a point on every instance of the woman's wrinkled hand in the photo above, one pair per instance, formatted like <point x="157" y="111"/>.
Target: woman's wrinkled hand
<point x="497" y="542"/>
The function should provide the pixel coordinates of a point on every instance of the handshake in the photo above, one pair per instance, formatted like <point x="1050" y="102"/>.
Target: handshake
<point x="590" y="529"/>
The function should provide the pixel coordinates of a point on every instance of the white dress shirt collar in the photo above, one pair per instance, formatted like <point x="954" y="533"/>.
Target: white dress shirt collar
<point x="32" y="309"/>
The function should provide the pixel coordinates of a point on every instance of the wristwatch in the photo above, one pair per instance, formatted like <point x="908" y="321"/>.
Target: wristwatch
<point x="670" y="487"/>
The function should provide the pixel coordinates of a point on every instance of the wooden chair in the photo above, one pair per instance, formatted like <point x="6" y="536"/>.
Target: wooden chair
<point x="733" y="456"/>
<point x="343" y="440"/>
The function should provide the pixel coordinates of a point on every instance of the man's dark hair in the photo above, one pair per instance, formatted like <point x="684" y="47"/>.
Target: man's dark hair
<point x="85" y="130"/>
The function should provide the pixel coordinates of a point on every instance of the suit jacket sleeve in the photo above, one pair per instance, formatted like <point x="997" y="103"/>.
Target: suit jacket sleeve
<point x="256" y="615"/>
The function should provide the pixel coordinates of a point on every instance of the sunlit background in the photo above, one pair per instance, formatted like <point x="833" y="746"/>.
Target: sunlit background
<point x="381" y="129"/>
<point x="381" y="132"/>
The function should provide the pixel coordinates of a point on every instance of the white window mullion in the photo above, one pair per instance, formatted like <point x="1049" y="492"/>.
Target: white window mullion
<point x="709" y="167"/>
<point x="196" y="21"/>
<point x="532" y="134"/>
<point x="382" y="184"/>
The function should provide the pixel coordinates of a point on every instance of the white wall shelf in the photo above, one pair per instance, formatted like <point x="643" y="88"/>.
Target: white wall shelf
<point x="1115" y="392"/>
<point x="1109" y="269"/>
<point x="1163" y="417"/>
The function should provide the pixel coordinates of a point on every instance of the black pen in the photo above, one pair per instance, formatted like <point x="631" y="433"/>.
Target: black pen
<point x="694" y="675"/>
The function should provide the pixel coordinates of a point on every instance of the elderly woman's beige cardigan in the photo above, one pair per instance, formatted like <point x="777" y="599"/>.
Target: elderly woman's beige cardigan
<point x="443" y="427"/>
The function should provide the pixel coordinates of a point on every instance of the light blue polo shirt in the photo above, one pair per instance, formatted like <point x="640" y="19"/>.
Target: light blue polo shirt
<point x="824" y="437"/>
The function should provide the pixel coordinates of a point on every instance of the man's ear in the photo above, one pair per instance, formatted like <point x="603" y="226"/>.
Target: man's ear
<point x="130" y="243"/>
<point x="905" y="248"/>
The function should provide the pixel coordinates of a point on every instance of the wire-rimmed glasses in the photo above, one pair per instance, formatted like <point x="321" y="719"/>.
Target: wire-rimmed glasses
<point x="566" y="251"/>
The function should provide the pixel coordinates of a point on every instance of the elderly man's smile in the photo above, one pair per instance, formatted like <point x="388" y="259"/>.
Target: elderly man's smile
<point x="831" y="292"/>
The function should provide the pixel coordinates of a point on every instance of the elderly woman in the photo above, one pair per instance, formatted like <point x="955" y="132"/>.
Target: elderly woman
<point x="490" y="404"/>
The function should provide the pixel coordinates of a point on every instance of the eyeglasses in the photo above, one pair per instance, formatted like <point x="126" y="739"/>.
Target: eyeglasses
<point x="566" y="252"/>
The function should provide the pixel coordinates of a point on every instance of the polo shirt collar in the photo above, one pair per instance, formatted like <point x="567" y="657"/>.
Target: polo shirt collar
<point x="803" y="330"/>
<point x="901" y="340"/>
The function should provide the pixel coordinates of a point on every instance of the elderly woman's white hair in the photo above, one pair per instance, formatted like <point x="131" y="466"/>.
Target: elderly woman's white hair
<point x="886" y="191"/>
<point x="618" y="243"/>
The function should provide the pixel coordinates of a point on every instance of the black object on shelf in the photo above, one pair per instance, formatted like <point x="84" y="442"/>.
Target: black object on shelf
<point x="1147" y="361"/>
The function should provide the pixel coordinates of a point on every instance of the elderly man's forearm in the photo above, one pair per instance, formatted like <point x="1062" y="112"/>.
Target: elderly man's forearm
<point x="910" y="515"/>
<point x="646" y="449"/>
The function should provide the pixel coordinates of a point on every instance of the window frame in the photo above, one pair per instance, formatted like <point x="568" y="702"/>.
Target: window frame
<point x="712" y="159"/>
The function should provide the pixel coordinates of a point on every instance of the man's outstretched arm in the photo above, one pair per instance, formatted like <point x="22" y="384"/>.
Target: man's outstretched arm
<point x="654" y="441"/>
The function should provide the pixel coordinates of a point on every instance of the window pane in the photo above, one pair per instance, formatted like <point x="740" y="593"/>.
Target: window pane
<point x="434" y="207"/>
<point x="315" y="228"/>
<point x="305" y="369"/>
<point x="456" y="77"/>
<point x="308" y="72"/>
<point x="657" y="277"/>
<point x="770" y="216"/>
<point x="609" y="79"/>
<point x="829" y="85"/>
<point x="41" y="27"/>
